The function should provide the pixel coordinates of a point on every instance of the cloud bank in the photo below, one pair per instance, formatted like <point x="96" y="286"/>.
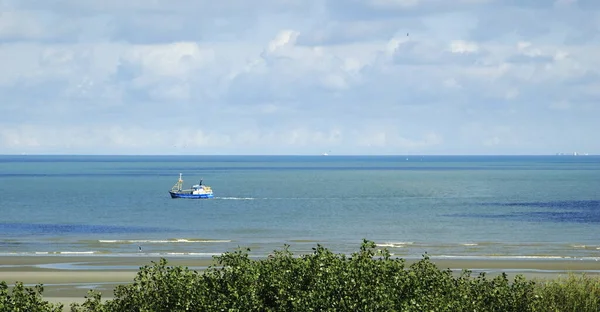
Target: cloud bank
<point x="299" y="77"/>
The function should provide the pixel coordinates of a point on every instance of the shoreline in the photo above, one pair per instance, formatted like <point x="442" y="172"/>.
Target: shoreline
<point x="67" y="279"/>
<point x="46" y="263"/>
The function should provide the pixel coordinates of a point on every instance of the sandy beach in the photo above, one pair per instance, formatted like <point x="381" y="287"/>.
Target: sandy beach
<point x="67" y="279"/>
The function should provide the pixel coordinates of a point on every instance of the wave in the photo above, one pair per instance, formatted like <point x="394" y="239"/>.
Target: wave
<point x="486" y="244"/>
<point x="586" y="247"/>
<point x="425" y="245"/>
<point x="483" y="257"/>
<point x="49" y="253"/>
<point x="107" y="254"/>
<point x="192" y="254"/>
<point x="514" y="257"/>
<point x="162" y="241"/>
<point x="394" y="244"/>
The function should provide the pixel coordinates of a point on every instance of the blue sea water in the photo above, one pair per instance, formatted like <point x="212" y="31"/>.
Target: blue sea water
<point x="445" y="206"/>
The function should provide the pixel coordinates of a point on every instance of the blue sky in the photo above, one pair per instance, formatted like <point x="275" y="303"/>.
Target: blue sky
<point x="299" y="76"/>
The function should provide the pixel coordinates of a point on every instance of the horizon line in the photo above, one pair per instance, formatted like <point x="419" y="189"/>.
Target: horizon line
<point x="299" y="155"/>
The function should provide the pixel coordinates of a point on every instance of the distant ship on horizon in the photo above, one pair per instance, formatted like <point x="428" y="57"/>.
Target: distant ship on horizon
<point x="573" y="154"/>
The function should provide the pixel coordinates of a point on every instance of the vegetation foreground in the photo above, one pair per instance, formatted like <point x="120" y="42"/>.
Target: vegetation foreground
<point x="369" y="280"/>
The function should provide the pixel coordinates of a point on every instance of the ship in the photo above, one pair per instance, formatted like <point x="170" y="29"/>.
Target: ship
<point x="196" y="191"/>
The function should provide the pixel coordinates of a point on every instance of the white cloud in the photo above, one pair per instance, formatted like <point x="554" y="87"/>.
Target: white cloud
<point x="461" y="46"/>
<point x="15" y="24"/>
<point x="395" y="3"/>
<point x="175" y="60"/>
<point x="269" y="77"/>
<point x="283" y="39"/>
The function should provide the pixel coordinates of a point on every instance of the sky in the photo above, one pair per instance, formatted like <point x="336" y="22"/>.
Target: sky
<point x="344" y="77"/>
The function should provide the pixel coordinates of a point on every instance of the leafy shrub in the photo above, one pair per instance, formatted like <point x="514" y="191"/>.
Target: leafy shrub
<point x="25" y="299"/>
<point x="577" y="293"/>
<point x="368" y="280"/>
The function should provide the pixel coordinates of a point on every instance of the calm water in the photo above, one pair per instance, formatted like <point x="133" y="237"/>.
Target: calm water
<point x="459" y="206"/>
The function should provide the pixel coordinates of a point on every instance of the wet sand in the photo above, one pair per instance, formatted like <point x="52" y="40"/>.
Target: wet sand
<point x="67" y="279"/>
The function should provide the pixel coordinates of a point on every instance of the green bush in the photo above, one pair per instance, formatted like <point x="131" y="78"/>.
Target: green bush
<point x="25" y="299"/>
<point x="368" y="280"/>
<point x="575" y="293"/>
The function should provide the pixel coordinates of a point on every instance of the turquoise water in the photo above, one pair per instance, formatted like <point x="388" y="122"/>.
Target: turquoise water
<point x="446" y="206"/>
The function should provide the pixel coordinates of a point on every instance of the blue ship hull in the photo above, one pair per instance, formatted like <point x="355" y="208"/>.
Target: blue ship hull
<point x="188" y="195"/>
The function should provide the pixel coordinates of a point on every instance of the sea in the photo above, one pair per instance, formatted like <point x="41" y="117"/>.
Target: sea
<point x="508" y="207"/>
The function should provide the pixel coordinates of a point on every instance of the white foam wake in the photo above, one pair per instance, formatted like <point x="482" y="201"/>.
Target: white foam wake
<point x="236" y="198"/>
